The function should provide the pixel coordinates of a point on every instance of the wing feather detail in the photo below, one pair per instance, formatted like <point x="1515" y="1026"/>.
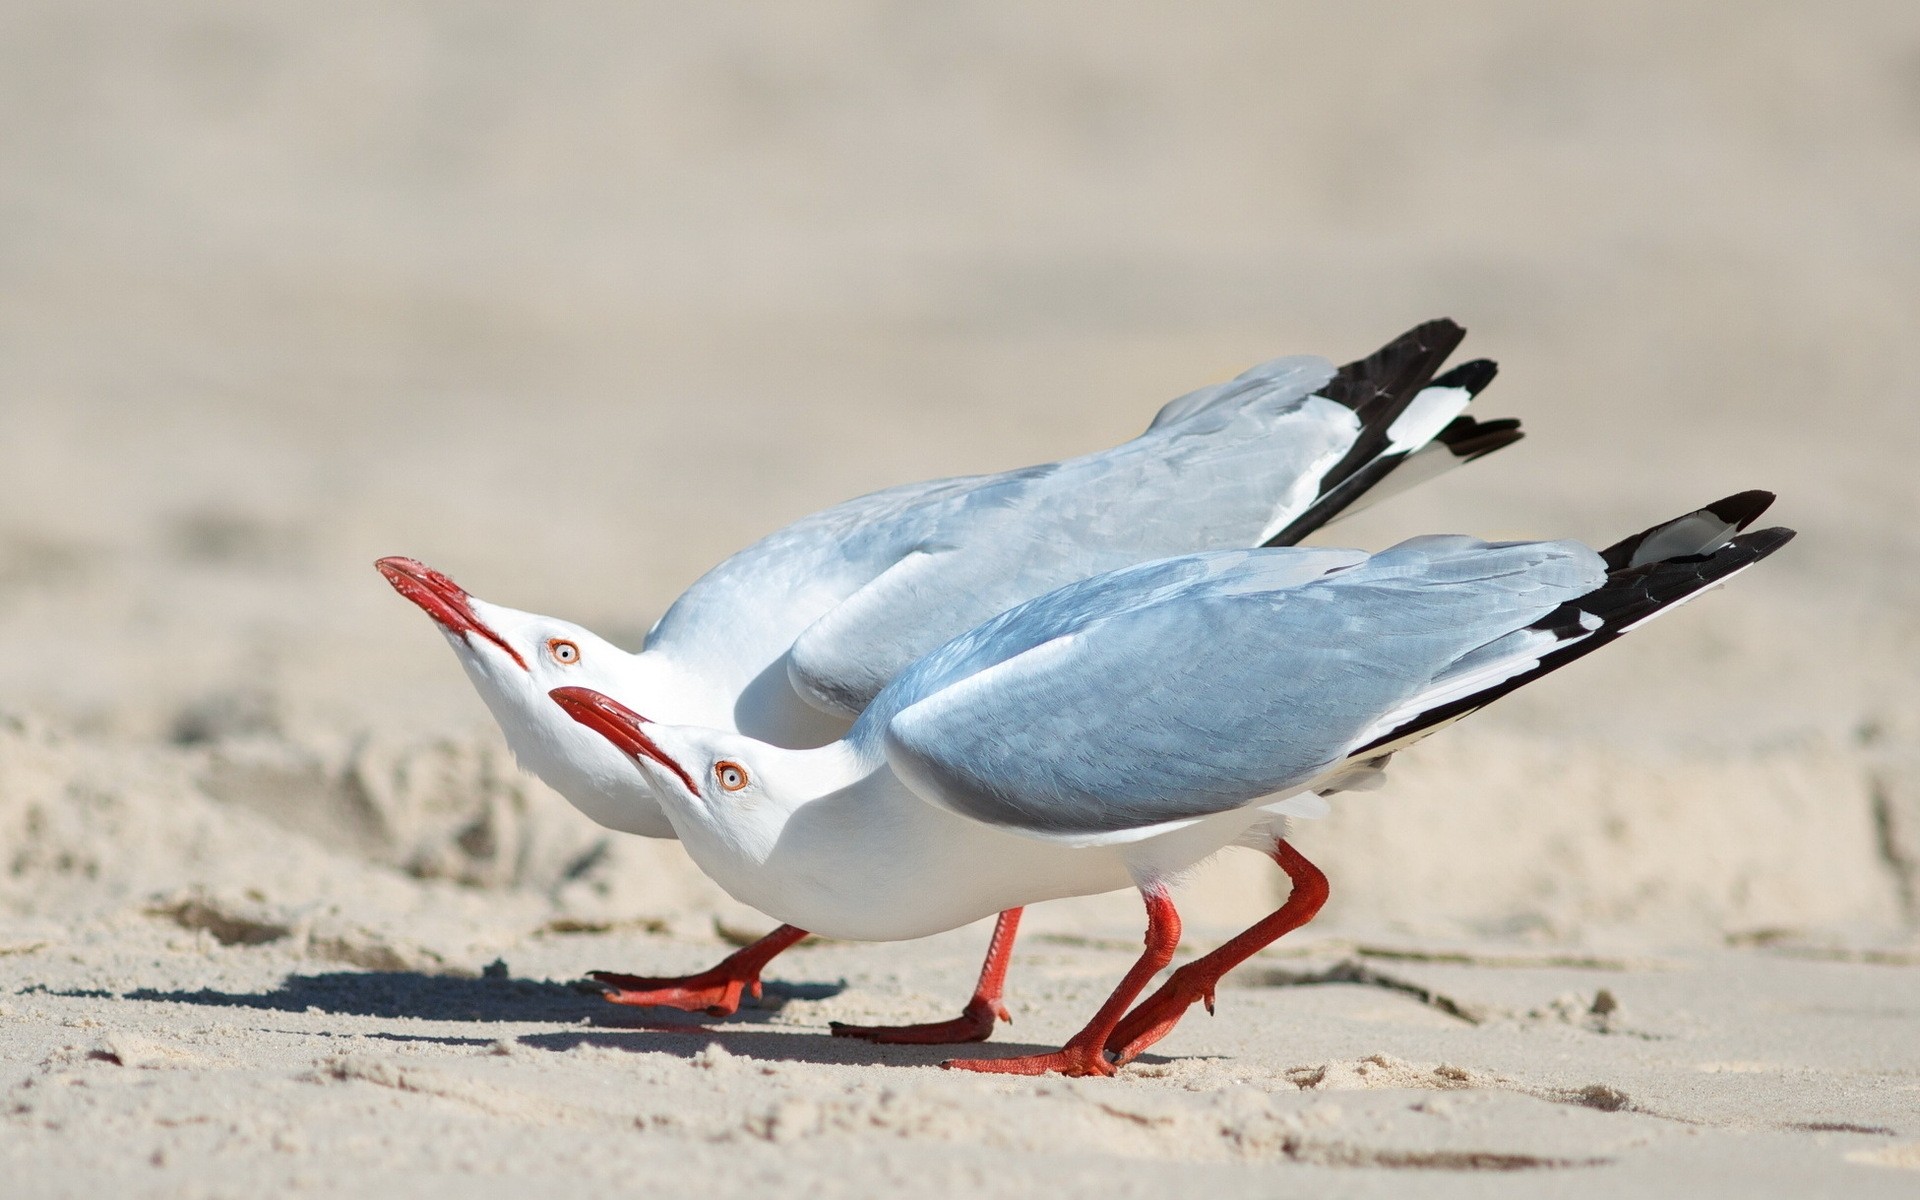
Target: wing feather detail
<point x="1203" y="684"/>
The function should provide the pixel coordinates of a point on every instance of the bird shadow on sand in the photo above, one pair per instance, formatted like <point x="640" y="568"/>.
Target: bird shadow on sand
<point x="491" y="998"/>
<point x="402" y="995"/>
<point x="800" y="1045"/>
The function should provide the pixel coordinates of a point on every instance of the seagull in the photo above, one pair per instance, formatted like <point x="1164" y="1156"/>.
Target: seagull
<point x="1121" y="729"/>
<point x="790" y="639"/>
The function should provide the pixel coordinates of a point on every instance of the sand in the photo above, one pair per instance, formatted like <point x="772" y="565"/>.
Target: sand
<point x="570" y="301"/>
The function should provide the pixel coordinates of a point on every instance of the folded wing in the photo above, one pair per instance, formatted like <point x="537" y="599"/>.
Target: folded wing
<point x="1201" y="684"/>
<point x="1265" y="458"/>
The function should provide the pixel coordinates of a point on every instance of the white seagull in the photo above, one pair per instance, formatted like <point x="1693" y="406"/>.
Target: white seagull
<point x="788" y="640"/>
<point x="1123" y="728"/>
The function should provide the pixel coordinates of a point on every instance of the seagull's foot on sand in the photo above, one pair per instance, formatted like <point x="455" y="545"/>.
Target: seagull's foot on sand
<point x="1081" y="1056"/>
<point x="715" y="991"/>
<point x="1155" y="1017"/>
<point x="1086" y="1052"/>
<point x="974" y="1024"/>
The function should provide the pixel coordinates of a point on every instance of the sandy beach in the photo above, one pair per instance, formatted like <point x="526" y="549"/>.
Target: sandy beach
<point x="572" y="301"/>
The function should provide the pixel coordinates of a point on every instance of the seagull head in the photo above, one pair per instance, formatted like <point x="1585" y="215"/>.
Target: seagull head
<point x="514" y="659"/>
<point x="727" y="784"/>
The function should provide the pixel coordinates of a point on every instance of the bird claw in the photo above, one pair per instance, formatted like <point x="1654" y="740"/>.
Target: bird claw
<point x="975" y="1024"/>
<point x="1155" y="1017"/>
<point x="713" y="992"/>
<point x="1074" y="1059"/>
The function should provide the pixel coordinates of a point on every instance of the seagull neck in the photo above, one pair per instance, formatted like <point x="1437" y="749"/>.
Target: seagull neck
<point x="666" y="691"/>
<point x="799" y="777"/>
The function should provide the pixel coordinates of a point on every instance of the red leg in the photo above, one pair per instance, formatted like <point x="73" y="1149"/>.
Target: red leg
<point x="715" y="990"/>
<point x="1160" y="1012"/>
<point x="975" y="1023"/>
<point x="1085" y="1052"/>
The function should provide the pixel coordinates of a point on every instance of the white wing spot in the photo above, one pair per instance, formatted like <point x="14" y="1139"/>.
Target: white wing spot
<point x="1430" y="412"/>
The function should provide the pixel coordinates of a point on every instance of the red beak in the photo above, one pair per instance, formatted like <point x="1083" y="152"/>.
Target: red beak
<point x="618" y="724"/>
<point x="443" y="600"/>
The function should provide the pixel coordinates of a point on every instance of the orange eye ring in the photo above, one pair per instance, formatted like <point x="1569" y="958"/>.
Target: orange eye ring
<point x="563" y="651"/>
<point x="731" y="775"/>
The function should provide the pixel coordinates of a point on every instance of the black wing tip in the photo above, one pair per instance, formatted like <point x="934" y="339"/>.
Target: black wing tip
<point x="1378" y="389"/>
<point x="1691" y="572"/>
<point x="1743" y="508"/>
<point x="1467" y="439"/>
<point x="1473" y="376"/>
<point x="1649" y="587"/>
<point x="1738" y="510"/>
<point x="1437" y="329"/>
<point x="1440" y="331"/>
<point x="1762" y="542"/>
<point x="1630" y="596"/>
<point x="1383" y="383"/>
<point x="1438" y="337"/>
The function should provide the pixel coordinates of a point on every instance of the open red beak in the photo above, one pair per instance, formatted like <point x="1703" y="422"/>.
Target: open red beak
<point x="618" y="724"/>
<point x="442" y="599"/>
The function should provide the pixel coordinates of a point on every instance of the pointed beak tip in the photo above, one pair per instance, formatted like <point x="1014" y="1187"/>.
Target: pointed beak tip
<point x="618" y="724"/>
<point x="590" y="707"/>
<point x="398" y="568"/>
<point x="577" y="700"/>
<point x="399" y="565"/>
<point x="449" y="604"/>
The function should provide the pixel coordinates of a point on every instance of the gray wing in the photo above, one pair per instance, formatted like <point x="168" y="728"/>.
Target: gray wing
<point x="1201" y="685"/>
<point x="835" y="605"/>
<point x="1229" y="465"/>
<point x="1210" y="455"/>
<point x="1263" y="459"/>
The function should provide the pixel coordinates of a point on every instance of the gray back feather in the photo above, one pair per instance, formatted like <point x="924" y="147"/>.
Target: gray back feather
<point x="1216" y="469"/>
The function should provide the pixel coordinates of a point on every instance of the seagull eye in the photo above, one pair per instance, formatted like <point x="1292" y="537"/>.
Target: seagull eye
<point x="732" y="775"/>
<point x="563" y="651"/>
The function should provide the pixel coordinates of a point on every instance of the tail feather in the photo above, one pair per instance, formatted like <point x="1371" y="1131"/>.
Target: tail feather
<point x="1410" y="424"/>
<point x="1638" y="588"/>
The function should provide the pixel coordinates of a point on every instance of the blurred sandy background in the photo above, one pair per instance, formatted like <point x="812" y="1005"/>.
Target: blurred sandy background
<point x="570" y="300"/>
